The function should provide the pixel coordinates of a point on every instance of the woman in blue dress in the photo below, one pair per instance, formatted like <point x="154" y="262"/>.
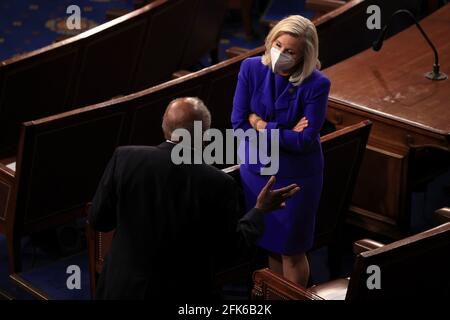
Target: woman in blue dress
<point x="284" y="90"/>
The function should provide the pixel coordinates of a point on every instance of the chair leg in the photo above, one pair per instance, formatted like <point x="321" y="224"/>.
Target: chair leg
<point x="13" y="243"/>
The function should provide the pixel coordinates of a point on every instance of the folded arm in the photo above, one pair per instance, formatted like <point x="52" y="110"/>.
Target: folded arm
<point x="315" y="112"/>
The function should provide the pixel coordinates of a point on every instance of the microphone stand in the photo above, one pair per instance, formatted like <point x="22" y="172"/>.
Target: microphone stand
<point x="434" y="75"/>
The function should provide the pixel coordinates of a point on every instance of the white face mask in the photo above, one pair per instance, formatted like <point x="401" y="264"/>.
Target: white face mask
<point x="281" y="62"/>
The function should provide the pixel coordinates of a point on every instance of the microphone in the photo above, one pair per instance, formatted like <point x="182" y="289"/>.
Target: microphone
<point x="432" y="75"/>
<point x="377" y="44"/>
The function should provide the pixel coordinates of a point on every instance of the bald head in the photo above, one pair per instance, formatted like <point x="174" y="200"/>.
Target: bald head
<point x="181" y="114"/>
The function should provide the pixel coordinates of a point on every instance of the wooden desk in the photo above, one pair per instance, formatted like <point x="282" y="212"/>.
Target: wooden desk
<point x="408" y="112"/>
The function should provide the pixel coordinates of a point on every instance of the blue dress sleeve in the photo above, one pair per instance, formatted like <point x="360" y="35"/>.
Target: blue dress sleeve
<point x="241" y="101"/>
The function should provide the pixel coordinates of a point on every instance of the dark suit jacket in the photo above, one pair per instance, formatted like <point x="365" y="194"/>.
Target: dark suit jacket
<point x="175" y="224"/>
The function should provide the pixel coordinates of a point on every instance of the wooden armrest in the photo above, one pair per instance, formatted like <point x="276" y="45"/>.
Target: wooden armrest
<point x="442" y="215"/>
<point x="62" y="37"/>
<point x="7" y="172"/>
<point x="323" y="5"/>
<point x="112" y="14"/>
<point x="8" y="165"/>
<point x="235" y="51"/>
<point x="365" y="245"/>
<point x="28" y="287"/>
<point x="269" y="285"/>
<point x="180" y="73"/>
<point x="5" y="296"/>
<point x="7" y="183"/>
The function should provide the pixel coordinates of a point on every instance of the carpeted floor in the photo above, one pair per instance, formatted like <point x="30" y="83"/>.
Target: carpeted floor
<point x="28" y="25"/>
<point x="45" y="261"/>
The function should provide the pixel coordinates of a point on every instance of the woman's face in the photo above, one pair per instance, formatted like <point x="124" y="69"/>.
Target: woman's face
<point x="289" y="45"/>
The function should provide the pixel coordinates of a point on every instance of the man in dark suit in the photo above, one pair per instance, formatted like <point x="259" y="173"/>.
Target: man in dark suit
<point x="174" y="224"/>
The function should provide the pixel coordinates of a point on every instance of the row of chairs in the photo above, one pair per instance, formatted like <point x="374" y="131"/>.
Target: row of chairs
<point x="342" y="32"/>
<point x="61" y="158"/>
<point x="415" y="268"/>
<point x="412" y="267"/>
<point x="139" y="50"/>
<point x="128" y="54"/>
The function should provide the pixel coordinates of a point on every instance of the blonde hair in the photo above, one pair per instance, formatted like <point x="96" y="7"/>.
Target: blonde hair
<point x="298" y="27"/>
